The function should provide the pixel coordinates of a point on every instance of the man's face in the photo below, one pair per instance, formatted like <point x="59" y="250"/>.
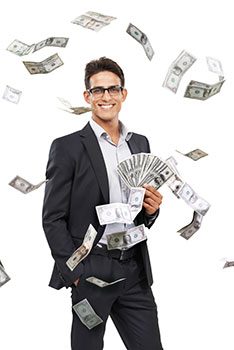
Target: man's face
<point x="106" y="107"/>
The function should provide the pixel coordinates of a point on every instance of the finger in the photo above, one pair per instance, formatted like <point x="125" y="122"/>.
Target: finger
<point x="152" y="190"/>
<point x="152" y="203"/>
<point x="153" y="198"/>
<point x="149" y="194"/>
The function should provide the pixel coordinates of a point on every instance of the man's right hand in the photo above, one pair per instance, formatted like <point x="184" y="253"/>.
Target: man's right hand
<point x="76" y="282"/>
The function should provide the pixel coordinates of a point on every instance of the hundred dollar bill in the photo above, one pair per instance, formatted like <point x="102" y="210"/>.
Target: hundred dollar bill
<point x="46" y="66"/>
<point x="23" y="185"/>
<point x="214" y="66"/>
<point x="138" y="35"/>
<point x="93" y="20"/>
<point x="228" y="264"/>
<point x="74" y="110"/>
<point x="19" y="48"/>
<point x="114" y="212"/>
<point x="199" y="204"/>
<point x="11" y="94"/>
<point x="86" y="314"/>
<point x="53" y="41"/>
<point x="196" y="154"/>
<point x="189" y="230"/>
<point x="100" y="283"/>
<point x="82" y="252"/>
<point x="202" y="91"/>
<point x="4" y="278"/>
<point x="177" y="69"/>
<point x="127" y="238"/>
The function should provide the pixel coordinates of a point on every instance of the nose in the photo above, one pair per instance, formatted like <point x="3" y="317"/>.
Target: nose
<point x="106" y="95"/>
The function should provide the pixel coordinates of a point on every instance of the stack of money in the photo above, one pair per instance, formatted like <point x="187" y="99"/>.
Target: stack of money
<point x="123" y="213"/>
<point x="23" y="185"/>
<point x="203" y="91"/>
<point x="93" y="20"/>
<point x="86" y="314"/>
<point x="177" y="69"/>
<point x="100" y="283"/>
<point x="46" y="66"/>
<point x="74" y="110"/>
<point x="84" y="249"/>
<point x="144" y="168"/>
<point x="126" y="239"/>
<point x="21" y="49"/>
<point x="139" y="36"/>
<point x="11" y="94"/>
<point x="4" y="278"/>
<point x="196" y="154"/>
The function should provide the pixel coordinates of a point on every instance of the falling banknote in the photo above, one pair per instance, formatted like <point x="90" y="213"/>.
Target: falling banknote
<point x="214" y="65"/>
<point x="46" y="66"/>
<point x="177" y="69"/>
<point x="202" y="91"/>
<point x="86" y="314"/>
<point x="126" y="239"/>
<point x="196" y="154"/>
<point x="93" y="20"/>
<point x="228" y="264"/>
<point x="53" y="41"/>
<point x="11" y="94"/>
<point x="4" y="278"/>
<point x="74" y="110"/>
<point x="100" y="283"/>
<point x="122" y="212"/>
<point x="84" y="249"/>
<point x="22" y="49"/>
<point x="23" y="185"/>
<point x="19" y="48"/>
<point x="139" y="36"/>
<point x="189" y="230"/>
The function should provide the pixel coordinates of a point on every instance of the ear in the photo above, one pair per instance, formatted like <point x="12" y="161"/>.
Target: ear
<point x="86" y="96"/>
<point x="124" y="94"/>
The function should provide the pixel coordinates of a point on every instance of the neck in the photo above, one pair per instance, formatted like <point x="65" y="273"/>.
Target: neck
<point x="110" y="126"/>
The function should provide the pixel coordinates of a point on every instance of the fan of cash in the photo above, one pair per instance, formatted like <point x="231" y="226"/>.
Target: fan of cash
<point x="144" y="168"/>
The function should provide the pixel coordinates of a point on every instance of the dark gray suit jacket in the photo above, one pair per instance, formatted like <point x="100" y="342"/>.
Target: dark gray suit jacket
<point x="77" y="182"/>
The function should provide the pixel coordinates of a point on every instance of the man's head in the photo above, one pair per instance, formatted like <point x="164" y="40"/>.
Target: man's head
<point x="105" y="92"/>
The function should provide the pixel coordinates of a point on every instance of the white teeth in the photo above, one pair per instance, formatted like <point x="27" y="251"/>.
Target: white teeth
<point x="106" y="107"/>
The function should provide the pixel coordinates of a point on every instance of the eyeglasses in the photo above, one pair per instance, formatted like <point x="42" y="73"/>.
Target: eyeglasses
<point x="99" y="91"/>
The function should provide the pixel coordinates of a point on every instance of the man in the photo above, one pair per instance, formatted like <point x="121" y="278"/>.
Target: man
<point x="82" y="175"/>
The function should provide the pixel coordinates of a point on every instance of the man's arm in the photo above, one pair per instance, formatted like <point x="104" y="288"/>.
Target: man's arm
<point x="60" y="170"/>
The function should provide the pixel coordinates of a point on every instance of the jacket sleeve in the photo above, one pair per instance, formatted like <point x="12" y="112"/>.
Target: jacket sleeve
<point x="55" y="213"/>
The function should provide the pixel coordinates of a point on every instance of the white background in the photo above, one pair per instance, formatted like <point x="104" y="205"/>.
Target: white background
<point x="193" y="293"/>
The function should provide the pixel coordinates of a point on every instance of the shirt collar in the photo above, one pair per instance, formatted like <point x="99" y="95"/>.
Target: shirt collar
<point x="100" y="132"/>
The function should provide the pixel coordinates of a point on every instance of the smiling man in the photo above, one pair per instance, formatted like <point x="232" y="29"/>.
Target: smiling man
<point x="82" y="174"/>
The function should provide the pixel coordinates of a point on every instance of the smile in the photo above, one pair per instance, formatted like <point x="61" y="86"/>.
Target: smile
<point x="106" y="107"/>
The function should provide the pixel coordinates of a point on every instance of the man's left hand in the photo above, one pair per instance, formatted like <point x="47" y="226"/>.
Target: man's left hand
<point x="152" y="200"/>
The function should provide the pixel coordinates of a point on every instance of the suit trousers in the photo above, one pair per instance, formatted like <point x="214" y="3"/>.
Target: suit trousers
<point x="130" y="304"/>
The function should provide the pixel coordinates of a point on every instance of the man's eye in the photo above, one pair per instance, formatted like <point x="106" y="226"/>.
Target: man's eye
<point x="97" y="91"/>
<point x="115" y="89"/>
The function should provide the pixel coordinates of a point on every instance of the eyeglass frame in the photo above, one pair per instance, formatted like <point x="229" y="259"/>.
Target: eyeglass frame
<point x="105" y="89"/>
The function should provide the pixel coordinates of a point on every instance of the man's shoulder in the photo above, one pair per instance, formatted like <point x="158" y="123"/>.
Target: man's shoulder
<point x="71" y="138"/>
<point x="140" y="138"/>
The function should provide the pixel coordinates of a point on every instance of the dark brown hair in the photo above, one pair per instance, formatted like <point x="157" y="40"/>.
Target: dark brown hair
<point x="100" y="65"/>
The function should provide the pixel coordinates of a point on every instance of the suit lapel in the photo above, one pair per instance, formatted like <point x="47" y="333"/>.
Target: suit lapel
<point x="134" y="148"/>
<point x="91" y="144"/>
